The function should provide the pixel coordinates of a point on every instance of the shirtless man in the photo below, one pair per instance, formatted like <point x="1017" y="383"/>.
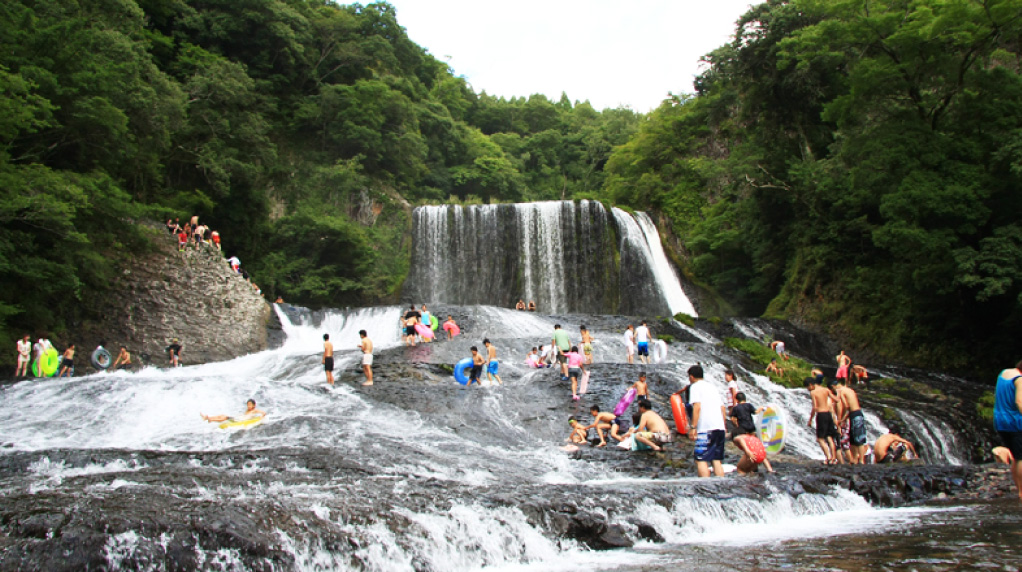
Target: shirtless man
<point x="67" y="364"/>
<point x="123" y="360"/>
<point x="520" y="305"/>
<point x="587" y="345"/>
<point x="852" y="412"/>
<point x="477" y="367"/>
<point x="652" y="430"/>
<point x="826" y="431"/>
<point x="843" y="361"/>
<point x="328" y="358"/>
<point x="250" y="413"/>
<point x="601" y="421"/>
<point x="629" y="339"/>
<point x="532" y="305"/>
<point x="492" y="365"/>
<point x="641" y="387"/>
<point x="366" y="345"/>
<point x="24" y="356"/>
<point x="891" y="448"/>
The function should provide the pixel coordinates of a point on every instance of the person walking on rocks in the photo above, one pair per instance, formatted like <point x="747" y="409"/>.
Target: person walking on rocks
<point x="366" y="345"/>
<point x="587" y="344"/>
<point x="67" y="362"/>
<point x="477" y="367"/>
<point x="629" y="339"/>
<point x="492" y="365"/>
<point x="562" y="345"/>
<point x="1008" y="418"/>
<point x="328" y="358"/>
<point x="409" y="320"/>
<point x="708" y="426"/>
<point x="576" y="368"/>
<point x="826" y="431"/>
<point x="642" y="340"/>
<point x="427" y="320"/>
<point x="24" y="356"/>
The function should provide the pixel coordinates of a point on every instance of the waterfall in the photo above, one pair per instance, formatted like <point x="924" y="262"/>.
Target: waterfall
<point x="566" y="256"/>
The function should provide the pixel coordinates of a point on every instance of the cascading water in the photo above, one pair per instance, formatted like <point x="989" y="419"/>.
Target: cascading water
<point x="413" y="474"/>
<point x="561" y="254"/>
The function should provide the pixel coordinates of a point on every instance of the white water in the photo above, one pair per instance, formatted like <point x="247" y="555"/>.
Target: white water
<point x="937" y="438"/>
<point x="542" y="250"/>
<point x="666" y="278"/>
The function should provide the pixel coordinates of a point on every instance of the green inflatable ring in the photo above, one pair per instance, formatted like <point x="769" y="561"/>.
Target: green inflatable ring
<point x="50" y="361"/>
<point x="434" y="322"/>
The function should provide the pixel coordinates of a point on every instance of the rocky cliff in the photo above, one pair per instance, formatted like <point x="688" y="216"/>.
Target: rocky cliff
<point x="192" y="295"/>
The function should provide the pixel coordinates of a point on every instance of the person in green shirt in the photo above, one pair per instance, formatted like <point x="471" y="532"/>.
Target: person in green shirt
<point x="562" y="342"/>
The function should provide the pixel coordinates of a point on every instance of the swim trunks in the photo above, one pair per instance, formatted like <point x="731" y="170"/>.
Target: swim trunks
<point x="367" y="359"/>
<point x="842" y="372"/>
<point x="623" y="424"/>
<point x="328" y="364"/>
<point x="825" y="427"/>
<point x="561" y="358"/>
<point x="755" y="447"/>
<point x="410" y="330"/>
<point x="658" y="438"/>
<point x="858" y="428"/>
<point x="1013" y="441"/>
<point x="575" y="372"/>
<point x="69" y="363"/>
<point x="587" y="348"/>
<point x="477" y="370"/>
<point x="710" y="446"/>
<point x="493" y="367"/>
<point x="643" y="348"/>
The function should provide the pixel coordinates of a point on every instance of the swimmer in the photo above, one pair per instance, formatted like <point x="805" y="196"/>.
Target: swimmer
<point x="250" y="413"/>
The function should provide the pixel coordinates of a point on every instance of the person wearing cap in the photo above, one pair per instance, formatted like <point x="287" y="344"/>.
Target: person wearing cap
<point x="174" y="352"/>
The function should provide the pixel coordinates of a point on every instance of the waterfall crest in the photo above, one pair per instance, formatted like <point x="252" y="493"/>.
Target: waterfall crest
<point x="566" y="256"/>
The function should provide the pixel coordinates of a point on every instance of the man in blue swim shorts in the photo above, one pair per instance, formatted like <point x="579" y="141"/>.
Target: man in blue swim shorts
<point x="493" y="365"/>
<point x="707" y="421"/>
<point x="642" y="340"/>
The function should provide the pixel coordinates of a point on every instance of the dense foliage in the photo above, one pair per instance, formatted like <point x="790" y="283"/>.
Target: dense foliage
<point x="301" y="130"/>
<point x="855" y="164"/>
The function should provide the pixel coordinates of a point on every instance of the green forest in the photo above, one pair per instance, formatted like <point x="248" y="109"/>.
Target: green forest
<point x="850" y="165"/>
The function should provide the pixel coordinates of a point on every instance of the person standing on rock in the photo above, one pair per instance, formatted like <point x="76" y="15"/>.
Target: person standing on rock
<point x="427" y="320"/>
<point x="328" y="358"/>
<point x="642" y="340"/>
<point x="587" y="344"/>
<point x="24" y="356"/>
<point x="629" y="339"/>
<point x="562" y="345"/>
<point x="843" y="362"/>
<point x="174" y="352"/>
<point x="707" y="424"/>
<point x="732" y="388"/>
<point x="492" y="365"/>
<point x="67" y="362"/>
<point x="826" y="432"/>
<point x="1008" y="418"/>
<point x="576" y="367"/>
<point x="852" y="414"/>
<point x="366" y="345"/>
<point x="477" y="367"/>
<point x="451" y="328"/>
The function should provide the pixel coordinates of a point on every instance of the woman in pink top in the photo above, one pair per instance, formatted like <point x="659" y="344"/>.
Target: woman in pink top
<point x="576" y="365"/>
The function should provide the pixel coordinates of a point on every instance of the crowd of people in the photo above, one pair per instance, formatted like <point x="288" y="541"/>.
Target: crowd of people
<point x="33" y="360"/>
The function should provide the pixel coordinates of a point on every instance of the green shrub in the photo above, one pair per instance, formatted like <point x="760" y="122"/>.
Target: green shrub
<point x="685" y="319"/>
<point x="985" y="406"/>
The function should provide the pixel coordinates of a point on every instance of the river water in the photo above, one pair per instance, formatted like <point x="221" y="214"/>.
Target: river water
<point x="118" y="471"/>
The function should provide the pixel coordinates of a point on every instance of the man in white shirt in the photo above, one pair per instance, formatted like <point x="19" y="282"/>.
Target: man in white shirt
<point x="630" y="343"/>
<point x="707" y="429"/>
<point x="642" y="340"/>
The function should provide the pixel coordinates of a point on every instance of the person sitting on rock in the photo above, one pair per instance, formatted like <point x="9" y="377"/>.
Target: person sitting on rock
<point x="579" y="432"/>
<point x="891" y="448"/>
<point x="520" y="305"/>
<point x="651" y="430"/>
<point x="774" y="369"/>
<point x="532" y="305"/>
<point x="250" y="413"/>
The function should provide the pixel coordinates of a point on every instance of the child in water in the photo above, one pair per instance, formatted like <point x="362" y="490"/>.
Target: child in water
<point x="578" y="432"/>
